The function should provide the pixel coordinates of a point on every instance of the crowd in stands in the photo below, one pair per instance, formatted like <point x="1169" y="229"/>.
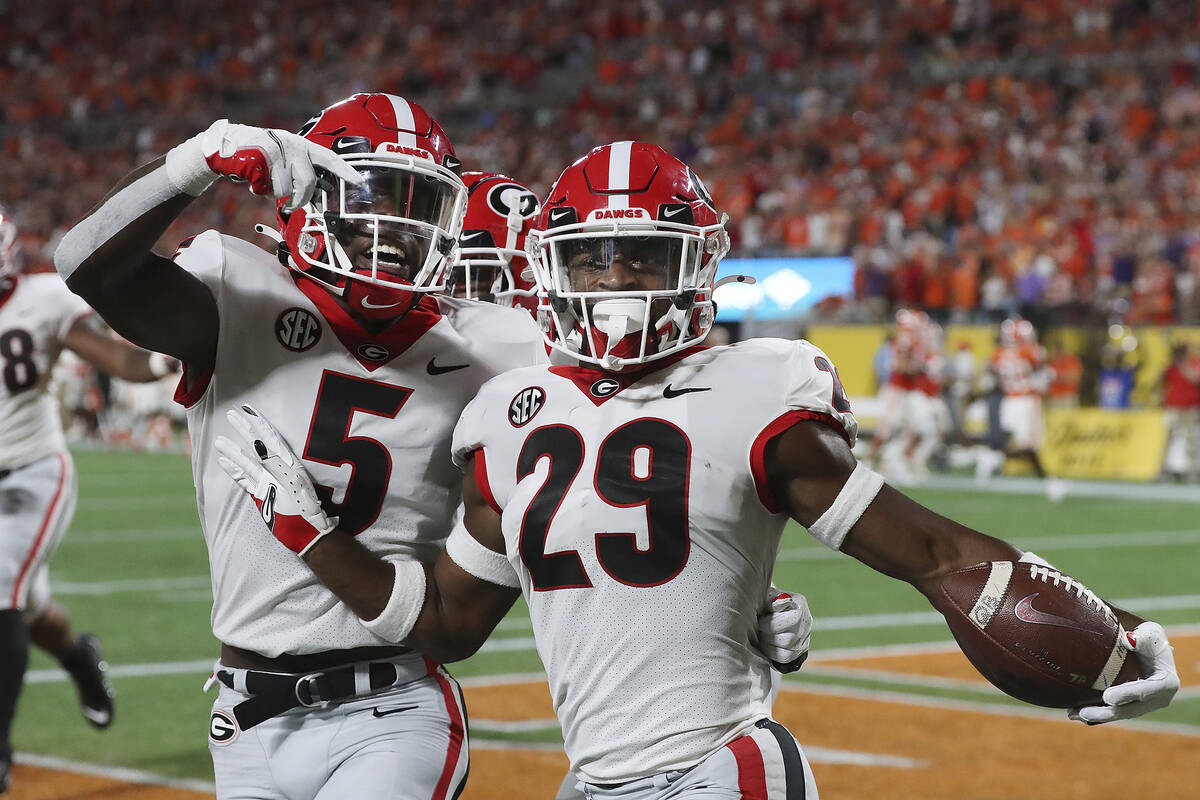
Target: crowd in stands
<point x="976" y="157"/>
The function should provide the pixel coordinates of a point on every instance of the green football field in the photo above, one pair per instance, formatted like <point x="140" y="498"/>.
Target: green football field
<point x="134" y="570"/>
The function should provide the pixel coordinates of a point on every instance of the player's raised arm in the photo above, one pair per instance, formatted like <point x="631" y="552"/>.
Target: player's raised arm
<point x="446" y="609"/>
<point x="107" y="259"/>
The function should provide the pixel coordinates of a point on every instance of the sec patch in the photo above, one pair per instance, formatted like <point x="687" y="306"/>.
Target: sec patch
<point x="526" y="405"/>
<point x="222" y="728"/>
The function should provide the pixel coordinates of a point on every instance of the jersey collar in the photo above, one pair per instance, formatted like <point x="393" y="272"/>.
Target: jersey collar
<point x="372" y="350"/>
<point x="599" y="385"/>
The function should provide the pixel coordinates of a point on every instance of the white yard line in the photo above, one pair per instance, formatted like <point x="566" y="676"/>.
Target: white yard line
<point x="131" y="585"/>
<point x="1075" y="488"/>
<point x="105" y="535"/>
<point x="901" y="698"/>
<point x="114" y="773"/>
<point x="1088" y="541"/>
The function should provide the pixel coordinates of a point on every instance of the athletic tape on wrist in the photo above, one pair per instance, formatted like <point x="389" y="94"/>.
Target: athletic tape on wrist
<point x="857" y="493"/>
<point x="487" y="565"/>
<point x="114" y="215"/>
<point x="187" y="168"/>
<point x="404" y="605"/>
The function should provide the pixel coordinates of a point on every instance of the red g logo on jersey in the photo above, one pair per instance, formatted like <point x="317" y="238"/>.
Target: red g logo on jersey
<point x="526" y="405"/>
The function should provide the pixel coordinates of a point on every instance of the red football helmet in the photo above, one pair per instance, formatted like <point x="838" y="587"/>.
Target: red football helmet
<point x="8" y="243"/>
<point x="391" y="235"/>
<point x="625" y="252"/>
<point x="491" y="263"/>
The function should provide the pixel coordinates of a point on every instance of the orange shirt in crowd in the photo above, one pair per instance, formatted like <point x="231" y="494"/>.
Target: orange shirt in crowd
<point x="1068" y="369"/>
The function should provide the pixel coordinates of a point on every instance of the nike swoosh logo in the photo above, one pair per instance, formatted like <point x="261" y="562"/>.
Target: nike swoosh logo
<point x="669" y="392"/>
<point x="1025" y="612"/>
<point x="368" y="304"/>
<point x="559" y="213"/>
<point x="378" y="712"/>
<point x="671" y="212"/>
<point x="434" y="369"/>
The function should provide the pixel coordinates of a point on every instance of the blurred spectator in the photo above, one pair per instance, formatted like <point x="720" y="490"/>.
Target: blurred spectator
<point x="881" y="362"/>
<point x="1066" y="370"/>
<point x="1181" y="401"/>
<point x="960" y="387"/>
<point x="982" y="164"/>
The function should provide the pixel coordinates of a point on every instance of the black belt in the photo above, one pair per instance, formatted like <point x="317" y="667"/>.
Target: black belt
<point x="272" y="693"/>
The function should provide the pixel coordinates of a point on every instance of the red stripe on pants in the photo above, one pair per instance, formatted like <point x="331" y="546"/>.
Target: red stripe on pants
<point x="454" y="750"/>
<point x="752" y="772"/>
<point x="37" y="542"/>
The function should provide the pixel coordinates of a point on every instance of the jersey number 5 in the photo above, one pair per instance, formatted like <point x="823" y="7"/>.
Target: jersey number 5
<point x="642" y="463"/>
<point x="330" y="442"/>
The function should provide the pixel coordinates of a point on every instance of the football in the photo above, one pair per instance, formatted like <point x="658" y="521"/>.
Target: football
<point x="1036" y="634"/>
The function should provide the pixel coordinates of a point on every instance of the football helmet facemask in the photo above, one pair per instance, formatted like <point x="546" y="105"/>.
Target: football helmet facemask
<point x="377" y="243"/>
<point x="625" y="252"/>
<point x="491" y="263"/>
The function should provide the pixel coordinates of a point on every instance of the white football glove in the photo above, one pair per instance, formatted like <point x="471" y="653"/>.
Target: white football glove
<point x="267" y="470"/>
<point x="275" y="162"/>
<point x="785" y="630"/>
<point x="1149" y="643"/>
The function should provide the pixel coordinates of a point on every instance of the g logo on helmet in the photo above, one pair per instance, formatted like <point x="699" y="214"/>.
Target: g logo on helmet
<point x="504" y="197"/>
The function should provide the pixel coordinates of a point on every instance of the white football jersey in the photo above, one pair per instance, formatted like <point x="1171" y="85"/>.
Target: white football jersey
<point x="637" y="517"/>
<point x="35" y="316"/>
<point x="370" y="415"/>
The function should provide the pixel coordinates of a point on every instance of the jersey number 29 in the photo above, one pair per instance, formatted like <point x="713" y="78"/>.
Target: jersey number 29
<point x="661" y="486"/>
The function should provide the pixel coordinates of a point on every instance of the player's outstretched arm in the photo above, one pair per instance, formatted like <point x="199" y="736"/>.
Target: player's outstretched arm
<point x="89" y="340"/>
<point x="446" y="610"/>
<point x="106" y="258"/>
<point x="810" y="466"/>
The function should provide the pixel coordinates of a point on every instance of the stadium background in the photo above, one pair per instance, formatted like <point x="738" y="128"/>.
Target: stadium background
<point x="976" y="159"/>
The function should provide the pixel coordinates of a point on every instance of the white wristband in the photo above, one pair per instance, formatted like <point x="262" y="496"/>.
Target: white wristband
<point x="856" y="494"/>
<point x="404" y="605"/>
<point x="488" y="565"/>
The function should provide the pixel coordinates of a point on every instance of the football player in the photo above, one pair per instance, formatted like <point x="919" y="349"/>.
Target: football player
<point x="38" y="318"/>
<point x="1018" y="366"/>
<point x="636" y="499"/>
<point x="491" y="263"/>
<point x="348" y="341"/>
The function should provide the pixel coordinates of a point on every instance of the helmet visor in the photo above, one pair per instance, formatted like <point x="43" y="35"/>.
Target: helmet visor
<point x="623" y="263"/>
<point x="390" y="192"/>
